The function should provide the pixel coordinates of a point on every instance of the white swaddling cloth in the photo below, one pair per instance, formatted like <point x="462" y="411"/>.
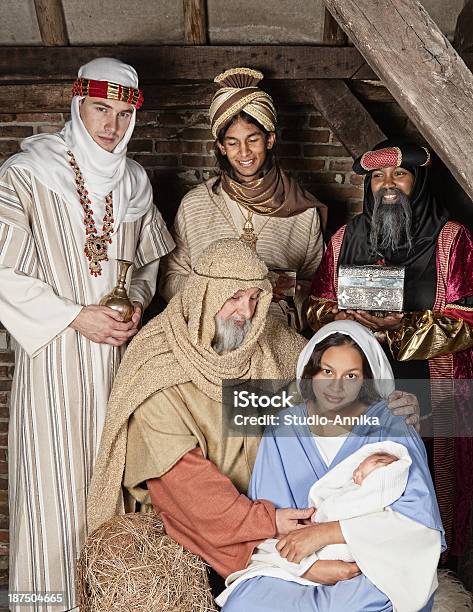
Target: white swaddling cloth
<point x="336" y="497"/>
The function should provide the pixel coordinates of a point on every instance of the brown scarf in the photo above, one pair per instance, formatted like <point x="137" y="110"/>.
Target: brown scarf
<point x="275" y="194"/>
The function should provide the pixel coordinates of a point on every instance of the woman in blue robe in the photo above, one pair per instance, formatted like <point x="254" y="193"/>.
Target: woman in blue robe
<point x="396" y="550"/>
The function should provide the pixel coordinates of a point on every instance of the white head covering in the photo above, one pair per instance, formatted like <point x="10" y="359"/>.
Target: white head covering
<point x="45" y="155"/>
<point x="379" y="364"/>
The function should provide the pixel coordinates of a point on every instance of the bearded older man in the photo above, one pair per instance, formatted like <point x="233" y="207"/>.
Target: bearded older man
<point x="403" y="224"/>
<point x="163" y="435"/>
<point x="164" y="424"/>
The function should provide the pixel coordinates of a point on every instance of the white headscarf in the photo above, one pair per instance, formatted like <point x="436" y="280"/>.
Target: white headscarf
<point x="379" y="364"/>
<point x="45" y="155"/>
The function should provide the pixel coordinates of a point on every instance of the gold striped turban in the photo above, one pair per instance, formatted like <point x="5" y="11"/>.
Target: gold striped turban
<point x="239" y="92"/>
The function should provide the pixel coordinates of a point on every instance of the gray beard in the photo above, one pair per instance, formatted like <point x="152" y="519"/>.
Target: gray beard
<point x="228" y="336"/>
<point x="391" y="224"/>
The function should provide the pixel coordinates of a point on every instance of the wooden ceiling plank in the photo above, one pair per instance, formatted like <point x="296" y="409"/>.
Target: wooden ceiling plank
<point x="51" y="22"/>
<point x="195" y="22"/>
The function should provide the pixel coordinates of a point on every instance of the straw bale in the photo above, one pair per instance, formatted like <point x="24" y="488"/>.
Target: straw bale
<point x="130" y="564"/>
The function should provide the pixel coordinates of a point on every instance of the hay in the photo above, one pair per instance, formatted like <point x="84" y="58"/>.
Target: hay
<point x="451" y="596"/>
<point x="129" y="564"/>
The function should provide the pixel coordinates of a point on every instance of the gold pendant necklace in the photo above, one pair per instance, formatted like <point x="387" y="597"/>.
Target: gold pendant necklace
<point x="249" y="236"/>
<point x="95" y="248"/>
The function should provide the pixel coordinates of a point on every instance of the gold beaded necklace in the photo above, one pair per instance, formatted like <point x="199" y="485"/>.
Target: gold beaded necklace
<point x="95" y="246"/>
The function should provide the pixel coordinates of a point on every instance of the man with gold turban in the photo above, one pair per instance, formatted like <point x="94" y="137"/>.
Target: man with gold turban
<point x="252" y="198"/>
<point x="404" y="224"/>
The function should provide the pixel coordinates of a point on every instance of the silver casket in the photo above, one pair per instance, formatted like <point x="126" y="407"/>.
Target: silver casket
<point x="378" y="288"/>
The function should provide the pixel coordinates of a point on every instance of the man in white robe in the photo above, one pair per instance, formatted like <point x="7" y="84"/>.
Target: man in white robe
<point x="59" y="243"/>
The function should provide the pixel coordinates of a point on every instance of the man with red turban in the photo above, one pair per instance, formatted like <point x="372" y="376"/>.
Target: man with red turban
<point x="71" y="204"/>
<point x="403" y="224"/>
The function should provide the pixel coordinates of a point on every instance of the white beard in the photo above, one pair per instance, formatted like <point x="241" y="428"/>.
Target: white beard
<point x="228" y="335"/>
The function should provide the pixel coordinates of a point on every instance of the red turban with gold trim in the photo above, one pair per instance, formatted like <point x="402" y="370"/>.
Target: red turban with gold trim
<point x="406" y="155"/>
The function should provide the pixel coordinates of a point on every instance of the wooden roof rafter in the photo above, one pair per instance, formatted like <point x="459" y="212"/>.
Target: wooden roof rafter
<point x="195" y="22"/>
<point x="51" y="23"/>
<point x="422" y="71"/>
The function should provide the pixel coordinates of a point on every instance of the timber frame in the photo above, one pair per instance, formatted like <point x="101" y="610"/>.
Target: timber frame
<point x="333" y="76"/>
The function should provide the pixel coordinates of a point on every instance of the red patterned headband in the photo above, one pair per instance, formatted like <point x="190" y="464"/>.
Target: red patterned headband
<point x="108" y="91"/>
<point x="407" y="155"/>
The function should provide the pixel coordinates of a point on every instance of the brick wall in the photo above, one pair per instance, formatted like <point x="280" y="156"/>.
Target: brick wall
<point x="176" y="150"/>
<point x="175" y="147"/>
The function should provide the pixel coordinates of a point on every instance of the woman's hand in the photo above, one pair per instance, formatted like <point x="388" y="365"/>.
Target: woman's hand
<point x="402" y="403"/>
<point x="298" y="544"/>
<point x="289" y="519"/>
<point x="330" y="572"/>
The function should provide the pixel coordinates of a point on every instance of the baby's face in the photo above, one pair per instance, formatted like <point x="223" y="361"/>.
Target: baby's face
<point x="371" y="463"/>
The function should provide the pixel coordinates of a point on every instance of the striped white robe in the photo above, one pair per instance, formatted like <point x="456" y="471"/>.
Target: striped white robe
<point x="293" y="243"/>
<point x="62" y="380"/>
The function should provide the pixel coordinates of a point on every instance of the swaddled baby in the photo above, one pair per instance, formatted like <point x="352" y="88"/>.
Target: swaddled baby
<point x="368" y="465"/>
<point x="333" y="503"/>
<point x="367" y="481"/>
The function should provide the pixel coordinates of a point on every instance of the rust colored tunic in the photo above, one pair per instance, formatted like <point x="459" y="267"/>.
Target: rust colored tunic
<point x="196" y="477"/>
<point x="202" y="510"/>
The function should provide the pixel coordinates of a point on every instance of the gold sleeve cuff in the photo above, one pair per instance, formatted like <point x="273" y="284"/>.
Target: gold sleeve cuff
<point x="319" y="312"/>
<point x="423" y="335"/>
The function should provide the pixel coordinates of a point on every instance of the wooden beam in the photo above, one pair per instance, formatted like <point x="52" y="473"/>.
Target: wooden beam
<point x="51" y="22"/>
<point x="333" y="33"/>
<point x="195" y="22"/>
<point x="349" y="120"/>
<point x="421" y="69"/>
<point x="463" y="38"/>
<point x="371" y="91"/>
<point x="56" y="97"/>
<point x="185" y="62"/>
<point x="347" y="117"/>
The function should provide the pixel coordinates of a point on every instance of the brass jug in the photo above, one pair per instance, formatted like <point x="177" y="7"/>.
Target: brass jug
<point x="118" y="298"/>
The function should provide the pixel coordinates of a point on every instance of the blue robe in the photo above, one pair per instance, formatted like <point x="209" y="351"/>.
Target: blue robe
<point x="287" y="464"/>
